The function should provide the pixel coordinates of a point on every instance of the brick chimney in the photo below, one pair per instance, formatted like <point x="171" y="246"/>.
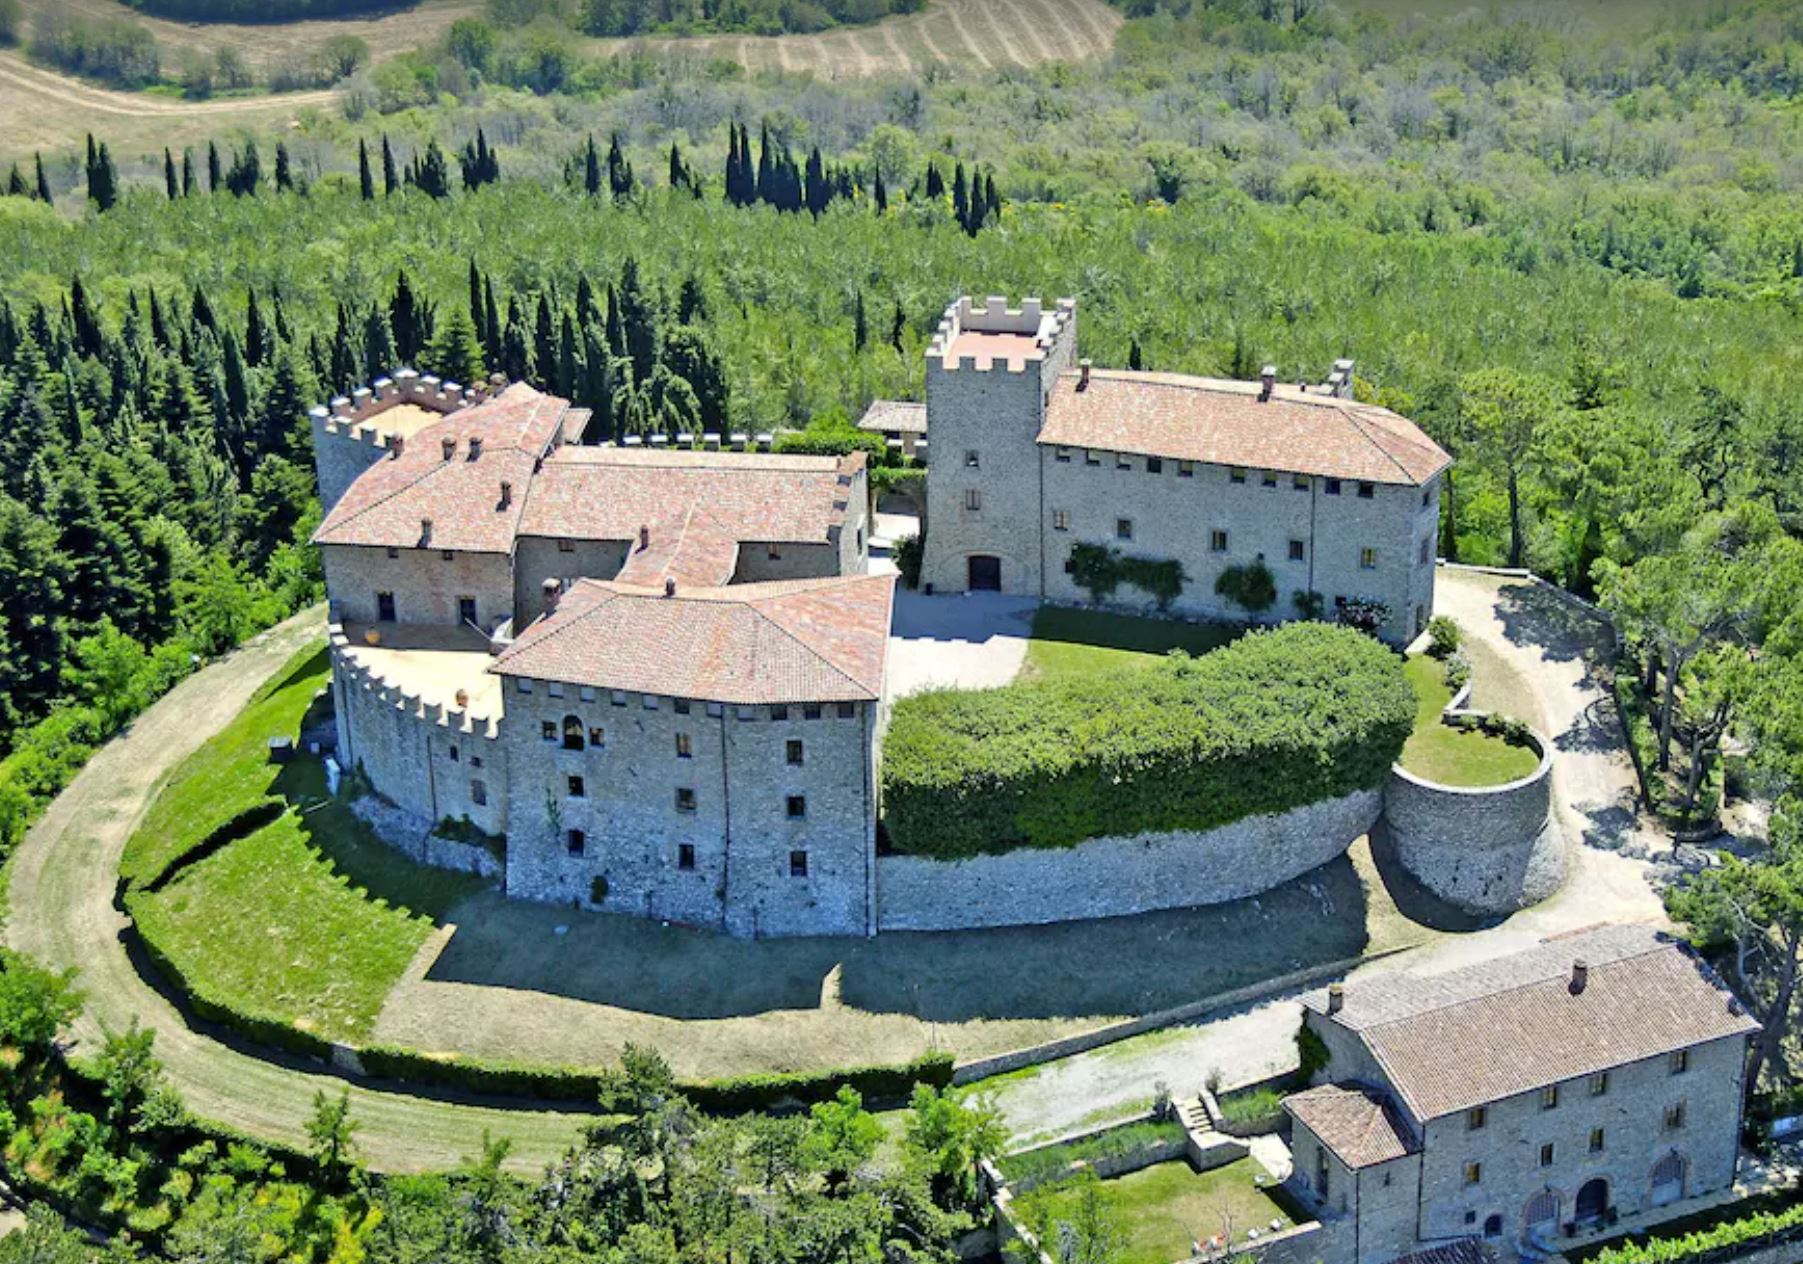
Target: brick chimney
<point x="551" y="590"/>
<point x="1580" y="975"/>
<point x="1336" y="997"/>
<point x="1083" y="368"/>
<point x="475" y="447"/>
<point x="644" y="537"/>
<point x="1267" y="382"/>
<point x="506" y="494"/>
<point x="448" y="447"/>
<point x="425" y="531"/>
<point x="396" y="445"/>
<point x="669" y="586"/>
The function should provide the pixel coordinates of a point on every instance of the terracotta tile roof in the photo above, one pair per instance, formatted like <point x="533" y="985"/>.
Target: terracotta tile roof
<point x="1461" y="1251"/>
<point x="389" y="502"/>
<point x="591" y="493"/>
<point x="1357" y="1123"/>
<point x="806" y="640"/>
<point x="1222" y="423"/>
<point x="894" y="416"/>
<point x="1476" y="1035"/>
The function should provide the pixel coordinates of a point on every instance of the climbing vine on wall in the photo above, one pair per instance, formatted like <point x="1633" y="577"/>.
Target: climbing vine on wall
<point x="1100" y="570"/>
<point x="1251" y="587"/>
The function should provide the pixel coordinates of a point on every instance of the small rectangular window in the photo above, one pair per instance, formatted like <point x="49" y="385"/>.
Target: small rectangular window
<point x="1091" y="457"/>
<point x="797" y="806"/>
<point x="973" y="500"/>
<point x="453" y="754"/>
<point x="685" y="799"/>
<point x="848" y="710"/>
<point x="793" y="752"/>
<point x="1674" y="1116"/>
<point x="618" y="698"/>
<point x="1332" y="487"/>
<point x="393" y="553"/>
<point x="779" y="712"/>
<point x="1427" y="497"/>
<point x="547" y="729"/>
<point x="971" y="460"/>
<point x="798" y="864"/>
<point x="1122" y="461"/>
<point x="1062" y="456"/>
<point x="1367" y="559"/>
<point x="475" y="761"/>
<point x="577" y="789"/>
<point x="385" y="607"/>
<point x="1427" y="550"/>
<point x="1061" y="520"/>
<point x="1366" y="491"/>
<point x="1474" y="1172"/>
<point x="650" y="702"/>
<point x="684" y="748"/>
<point x="1236" y="475"/>
<point x="1123" y="528"/>
<point x="1599" y="1084"/>
<point x="555" y="688"/>
<point x="1297" y="550"/>
<point x="566" y="546"/>
<point x="1679" y="1062"/>
<point x="1546" y="1155"/>
<point x="1549" y="1097"/>
<point x="479" y="792"/>
<point x="587" y="693"/>
<point x="1268" y="479"/>
<point x="1186" y="469"/>
<point x="1299" y="482"/>
<point x="1217" y="541"/>
<point x="597" y="736"/>
<point x="1476" y="1118"/>
<point x="1596" y="1141"/>
<point x="810" y="711"/>
<point x="716" y="710"/>
<point x="685" y="856"/>
<point x="576" y="842"/>
<point x="524" y="685"/>
<point x="679" y="705"/>
<point x="449" y="555"/>
<point x="1154" y="465"/>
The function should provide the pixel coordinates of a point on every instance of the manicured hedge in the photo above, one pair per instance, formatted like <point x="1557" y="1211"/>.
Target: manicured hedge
<point x="1719" y="1242"/>
<point x="1276" y="720"/>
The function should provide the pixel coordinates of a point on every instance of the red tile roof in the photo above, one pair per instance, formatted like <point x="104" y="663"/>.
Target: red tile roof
<point x="461" y="497"/>
<point x="1222" y="423"/>
<point x="808" y="640"/>
<point x="1358" y="1124"/>
<point x="1435" y="1037"/>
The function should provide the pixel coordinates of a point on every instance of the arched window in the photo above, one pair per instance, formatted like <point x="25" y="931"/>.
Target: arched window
<point x="572" y="732"/>
<point x="1593" y="1199"/>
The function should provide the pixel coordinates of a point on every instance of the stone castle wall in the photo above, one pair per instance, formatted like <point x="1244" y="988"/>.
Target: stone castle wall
<point x="1492" y="849"/>
<point x="426" y="584"/>
<point x="1115" y="877"/>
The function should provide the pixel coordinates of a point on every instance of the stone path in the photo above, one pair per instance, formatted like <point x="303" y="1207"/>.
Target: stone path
<point x="63" y="914"/>
<point x="1529" y="648"/>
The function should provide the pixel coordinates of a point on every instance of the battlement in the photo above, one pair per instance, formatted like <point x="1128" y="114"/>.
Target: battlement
<point x="366" y="679"/>
<point x="979" y="339"/>
<point x="353" y="416"/>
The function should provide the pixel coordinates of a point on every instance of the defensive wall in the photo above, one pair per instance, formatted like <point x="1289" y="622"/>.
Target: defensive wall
<point x="1115" y="877"/>
<point x="349" y="434"/>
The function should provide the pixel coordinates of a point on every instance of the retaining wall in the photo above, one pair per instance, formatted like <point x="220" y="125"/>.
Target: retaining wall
<point x="1490" y="849"/>
<point x="1115" y="877"/>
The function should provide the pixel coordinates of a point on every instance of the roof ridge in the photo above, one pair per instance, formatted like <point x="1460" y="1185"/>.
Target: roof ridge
<point x="1358" y="424"/>
<point x="1511" y="988"/>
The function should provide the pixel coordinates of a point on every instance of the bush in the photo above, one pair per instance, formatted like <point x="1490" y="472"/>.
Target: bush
<point x="1274" y="721"/>
<point x="908" y="556"/>
<point x="1443" y="636"/>
<point x="1054" y="1161"/>
<point x="1251" y="587"/>
<point x="109" y="49"/>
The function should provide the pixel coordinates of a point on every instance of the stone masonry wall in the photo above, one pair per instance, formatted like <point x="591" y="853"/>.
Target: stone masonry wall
<point x="1489" y="849"/>
<point x="537" y="558"/>
<point x="1114" y="877"/>
<point x="426" y="584"/>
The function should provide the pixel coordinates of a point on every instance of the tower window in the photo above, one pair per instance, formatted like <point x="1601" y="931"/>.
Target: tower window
<point x="577" y="789"/>
<point x="576" y="842"/>
<point x="1297" y="550"/>
<point x="1236" y="475"/>
<point x="1299" y="482"/>
<point x="798" y="806"/>
<point x="1154" y="465"/>
<point x="1062" y="456"/>
<point x="1061" y="520"/>
<point x="1123" y="528"/>
<point x="1367" y="559"/>
<point x="685" y="749"/>
<point x="479" y="792"/>
<point x="685" y="856"/>
<point x="1332" y="487"/>
<point x="685" y="799"/>
<point x="971" y="459"/>
<point x="1268" y="479"/>
<point x="973" y="500"/>
<point x="1217" y="541"/>
<point x="566" y="546"/>
<point x="794" y="752"/>
<point x="798" y="864"/>
<point x="1366" y="491"/>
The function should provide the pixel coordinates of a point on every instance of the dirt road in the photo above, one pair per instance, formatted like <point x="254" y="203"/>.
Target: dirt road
<point x="63" y="914"/>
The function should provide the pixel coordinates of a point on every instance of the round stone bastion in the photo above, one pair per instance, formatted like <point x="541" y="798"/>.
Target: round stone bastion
<point x="1486" y="849"/>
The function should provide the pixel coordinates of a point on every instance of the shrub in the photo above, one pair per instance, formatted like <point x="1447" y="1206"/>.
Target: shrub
<point x="1251" y="587"/>
<point x="1100" y="571"/>
<point x="1443" y="636"/>
<point x="908" y="556"/>
<point x="1365" y="614"/>
<point x="1276" y="720"/>
<point x="1053" y="1161"/>
<point x="1252" y="1111"/>
<point x="1309" y="604"/>
<point x="1458" y="671"/>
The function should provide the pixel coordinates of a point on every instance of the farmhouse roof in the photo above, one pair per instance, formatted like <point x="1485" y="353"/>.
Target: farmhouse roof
<point x="1643" y="994"/>
<point x="1357" y="1123"/>
<point x="1222" y="422"/>
<point x="894" y="416"/>
<point x="493" y="443"/>
<point x="807" y="640"/>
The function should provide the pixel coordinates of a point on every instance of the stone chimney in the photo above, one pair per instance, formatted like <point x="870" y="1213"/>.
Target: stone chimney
<point x="1342" y="378"/>
<point x="506" y="494"/>
<point x="1267" y="382"/>
<point x="644" y="537"/>
<point x="448" y="447"/>
<point x="475" y="447"/>
<point x="669" y="586"/>
<point x="1336" y="997"/>
<point x="1083" y="368"/>
<point x="551" y="590"/>
<point x="1580" y="976"/>
<point x="396" y="445"/>
<point x="425" y="532"/>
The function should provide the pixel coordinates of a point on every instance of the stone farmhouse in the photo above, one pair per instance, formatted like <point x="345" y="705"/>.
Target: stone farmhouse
<point x="658" y="673"/>
<point x="1035" y="451"/>
<point x="1590" y="1083"/>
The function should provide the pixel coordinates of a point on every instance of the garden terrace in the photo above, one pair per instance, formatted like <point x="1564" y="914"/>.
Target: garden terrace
<point x="433" y="663"/>
<point x="1454" y="755"/>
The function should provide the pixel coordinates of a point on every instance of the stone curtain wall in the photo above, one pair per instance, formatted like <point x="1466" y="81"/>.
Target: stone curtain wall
<point x="1487" y="850"/>
<point x="426" y="584"/>
<point x="1115" y="877"/>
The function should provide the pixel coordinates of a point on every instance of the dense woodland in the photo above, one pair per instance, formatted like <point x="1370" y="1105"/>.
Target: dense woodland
<point x="1572" y="250"/>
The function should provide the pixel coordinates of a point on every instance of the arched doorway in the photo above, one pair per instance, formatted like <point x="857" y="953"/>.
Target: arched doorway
<point x="1593" y="1199"/>
<point x="1668" y="1180"/>
<point x="1541" y="1216"/>
<point x="985" y="573"/>
<point x="1493" y="1226"/>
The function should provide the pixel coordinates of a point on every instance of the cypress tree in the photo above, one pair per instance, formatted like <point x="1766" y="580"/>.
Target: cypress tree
<point x="187" y="173"/>
<point x="345" y="365"/>
<point x="991" y="201"/>
<point x="961" y="198"/>
<point x="433" y="176"/>
<point x="544" y="343"/>
<point x="491" y="325"/>
<point x="159" y="328"/>
<point x="619" y="171"/>
<point x="378" y="344"/>
<point x="256" y="338"/>
<point x="170" y="184"/>
<point x="215" y="177"/>
<point x="15" y="183"/>
<point x="881" y="195"/>
<point x="43" y="184"/>
<point x="1135" y="361"/>
<point x="284" y="176"/>
<point x="765" y="189"/>
<point x="404" y="319"/>
<point x="237" y="388"/>
<point x="390" y="180"/>
<point x="88" y="338"/>
<point x="860" y="327"/>
<point x="103" y="177"/>
<point x="935" y="182"/>
<point x="591" y="168"/>
<point x="818" y="192"/>
<point x="566" y="357"/>
<point x="691" y="302"/>
<point x="516" y="346"/>
<point x="586" y="311"/>
<point x="203" y="313"/>
<point x="897" y="327"/>
<point x="366" y="180"/>
<point x="476" y="321"/>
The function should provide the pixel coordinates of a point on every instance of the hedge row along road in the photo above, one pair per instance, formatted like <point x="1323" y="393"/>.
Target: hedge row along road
<point x="62" y="913"/>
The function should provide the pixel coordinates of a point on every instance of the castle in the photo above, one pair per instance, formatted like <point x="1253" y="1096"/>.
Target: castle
<point x="657" y="670"/>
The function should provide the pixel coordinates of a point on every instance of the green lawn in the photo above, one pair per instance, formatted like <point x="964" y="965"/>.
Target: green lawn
<point x="1455" y="757"/>
<point x="1068" y="642"/>
<point x="310" y="920"/>
<point x="1162" y="1209"/>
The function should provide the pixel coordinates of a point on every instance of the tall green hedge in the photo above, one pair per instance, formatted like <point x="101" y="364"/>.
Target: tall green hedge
<point x="1274" y="721"/>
